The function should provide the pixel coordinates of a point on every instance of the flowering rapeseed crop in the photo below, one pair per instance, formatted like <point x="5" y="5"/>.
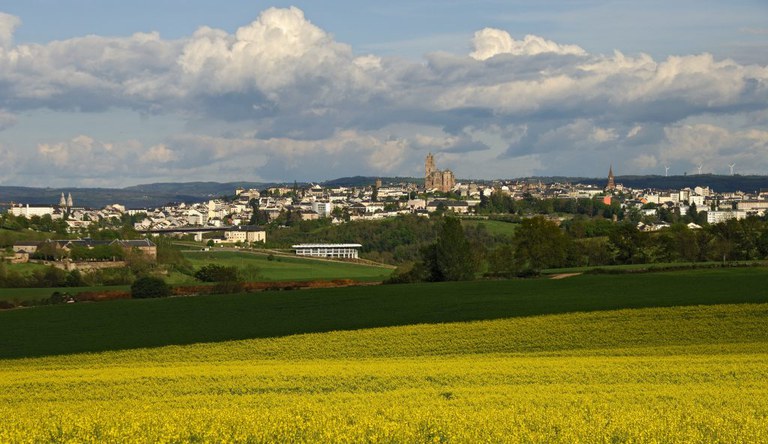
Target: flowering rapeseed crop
<point x="695" y="374"/>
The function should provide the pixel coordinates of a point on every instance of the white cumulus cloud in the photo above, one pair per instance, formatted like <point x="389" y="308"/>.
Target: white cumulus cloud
<point x="490" y="42"/>
<point x="8" y="24"/>
<point x="279" y="96"/>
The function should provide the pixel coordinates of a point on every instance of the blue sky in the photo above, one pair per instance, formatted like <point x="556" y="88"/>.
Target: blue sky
<point x="110" y="93"/>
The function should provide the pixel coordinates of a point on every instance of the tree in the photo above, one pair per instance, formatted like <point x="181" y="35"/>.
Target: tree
<point x="217" y="273"/>
<point x="49" y="251"/>
<point x="74" y="279"/>
<point x="450" y="258"/>
<point x="501" y="261"/>
<point x="138" y="262"/>
<point x="539" y="243"/>
<point x="150" y="287"/>
<point x="627" y="243"/>
<point x="678" y="243"/>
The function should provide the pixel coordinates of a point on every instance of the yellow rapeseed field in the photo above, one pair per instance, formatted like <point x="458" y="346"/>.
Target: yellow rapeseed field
<point x="665" y="375"/>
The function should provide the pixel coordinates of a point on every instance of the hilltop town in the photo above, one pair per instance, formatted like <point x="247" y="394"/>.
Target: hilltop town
<point x="440" y="192"/>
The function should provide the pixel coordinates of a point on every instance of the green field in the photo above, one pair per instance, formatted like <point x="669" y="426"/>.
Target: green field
<point x="657" y="266"/>
<point x="151" y="323"/>
<point x="285" y="268"/>
<point x="34" y="294"/>
<point x="495" y="227"/>
<point x="25" y="268"/>
<point x="672" y="357"/>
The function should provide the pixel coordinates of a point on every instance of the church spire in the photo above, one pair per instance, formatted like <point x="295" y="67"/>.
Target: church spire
<point x="611" y="180"/>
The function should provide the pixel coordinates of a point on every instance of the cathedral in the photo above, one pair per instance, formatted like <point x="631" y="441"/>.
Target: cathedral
<point x="435" y="179"/>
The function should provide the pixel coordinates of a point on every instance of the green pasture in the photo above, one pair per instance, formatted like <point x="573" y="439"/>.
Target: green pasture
<point x="32" y="294"/>
<point x="285" y="268"/>
<point x="495" y="227"/>
<point x="126" y="324"/>
<point x="8" y="237"/>
<point x="25" y="268"/>
<point x="662" y="266"/>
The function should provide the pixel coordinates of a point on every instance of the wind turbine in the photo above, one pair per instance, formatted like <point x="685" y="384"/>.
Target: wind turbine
<point x="700" y="167"/>
<point x="666" y="171"/>
<point x="732" y="165"/>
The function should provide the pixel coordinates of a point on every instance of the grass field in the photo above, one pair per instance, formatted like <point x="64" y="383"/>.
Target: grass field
<point x="495" y="227"/>
<point x="28" y="294"/>
<point x="658" y="266"/>
<point x="280" y="269"/>
<point x="151" y="323"/>
<point x="284" y="268"/>
<point x="26" y="268"/>
<point x="682" y="374"/>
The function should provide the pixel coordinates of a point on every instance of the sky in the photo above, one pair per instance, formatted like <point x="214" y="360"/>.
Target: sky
<point x="113" y="93"/>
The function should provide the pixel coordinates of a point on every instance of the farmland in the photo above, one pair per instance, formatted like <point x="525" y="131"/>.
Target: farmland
<point x="625" y="375"/>
<point x="26" y="294"/>
<point x="256" y="266"/>
<point x="152" y="323"/>
<point x="665" y="357"/>
<point x="289" y="268"/>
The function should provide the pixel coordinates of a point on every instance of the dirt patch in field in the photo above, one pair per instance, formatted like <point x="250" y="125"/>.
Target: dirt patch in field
<point x="563" y="275"/>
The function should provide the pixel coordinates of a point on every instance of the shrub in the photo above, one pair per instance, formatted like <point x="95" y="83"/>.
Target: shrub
<point x="59" y="297"/>
<point x="150" y="287"/>
<point x="217" y="273"/>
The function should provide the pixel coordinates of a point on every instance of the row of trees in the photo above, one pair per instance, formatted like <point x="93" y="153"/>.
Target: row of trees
<point x="46" y="277"/>
<point x="499" y="204"/>
<point x="539" y="243"/>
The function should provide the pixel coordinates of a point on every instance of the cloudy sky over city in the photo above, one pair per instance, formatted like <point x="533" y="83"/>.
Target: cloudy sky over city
<point x="109" y="93"/>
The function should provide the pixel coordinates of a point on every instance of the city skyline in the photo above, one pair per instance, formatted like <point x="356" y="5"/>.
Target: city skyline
<point x="111" y="95"/>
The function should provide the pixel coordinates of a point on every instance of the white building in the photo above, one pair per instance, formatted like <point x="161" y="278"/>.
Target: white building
<point x="31" y="210"/>
<point x="754" y="206"/>
<point x="345" y="251"/>
<point x="323" y="209"/>
<point x="715" y="217"/>
<point x="245" y="234"/>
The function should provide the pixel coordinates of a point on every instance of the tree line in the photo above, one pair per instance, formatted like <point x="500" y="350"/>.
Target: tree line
<point x="540" y="243"/>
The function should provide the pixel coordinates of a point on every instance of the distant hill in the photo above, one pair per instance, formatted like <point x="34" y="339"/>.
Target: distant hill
<point x="157" y="194"/>
<point x="93" y="197"/>
<point x="197" y="189"/>
<point x="719" y="183"/>
<point x="362" y="181"/>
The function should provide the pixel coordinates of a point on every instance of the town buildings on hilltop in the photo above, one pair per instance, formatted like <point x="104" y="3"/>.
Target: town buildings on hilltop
<point x="341" y="204"/>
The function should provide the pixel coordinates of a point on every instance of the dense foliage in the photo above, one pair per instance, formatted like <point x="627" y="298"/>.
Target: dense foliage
<point x="217" y="273"/>
<point x="150" y="287"/>
<point x="450" y="258"/>
<point x="394" y="240"/>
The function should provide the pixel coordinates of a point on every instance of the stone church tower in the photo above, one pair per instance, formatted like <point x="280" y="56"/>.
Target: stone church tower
<point x="434" y="179"/>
